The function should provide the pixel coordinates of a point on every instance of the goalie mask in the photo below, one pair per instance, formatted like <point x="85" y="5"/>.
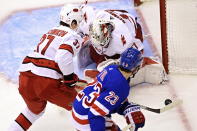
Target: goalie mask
<point x="71" y="12"/>
<point x="100" y="32"/>
<point x="131" y="60"/>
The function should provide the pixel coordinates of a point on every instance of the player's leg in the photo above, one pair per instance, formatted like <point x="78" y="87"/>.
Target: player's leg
<point x="24" y="120"/>
<point x="35" y="106"/>
<point x="59" y="94"/>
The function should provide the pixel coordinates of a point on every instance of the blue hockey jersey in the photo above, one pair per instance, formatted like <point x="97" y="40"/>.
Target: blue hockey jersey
<point x="102" y="97"/>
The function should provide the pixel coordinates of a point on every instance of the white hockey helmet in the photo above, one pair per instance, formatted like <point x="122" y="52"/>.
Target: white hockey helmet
<point x="70" y="12"/>
<point x="100" y="32"/>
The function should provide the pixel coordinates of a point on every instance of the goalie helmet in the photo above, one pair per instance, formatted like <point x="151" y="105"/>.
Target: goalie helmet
<point x="100" y="32"/>
<point x="70" y="12"/>
<point x="131" y="60"/>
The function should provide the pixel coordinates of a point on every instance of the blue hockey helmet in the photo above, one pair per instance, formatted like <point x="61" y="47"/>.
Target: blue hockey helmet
<point x="131" y="59"/>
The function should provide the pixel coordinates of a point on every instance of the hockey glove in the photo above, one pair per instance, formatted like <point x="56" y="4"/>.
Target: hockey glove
<point x="134" y="116"/>
<point x="70" y="80"/>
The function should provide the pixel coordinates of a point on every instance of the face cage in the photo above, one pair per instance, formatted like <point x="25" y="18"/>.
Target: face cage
<point x="97" y="39"/>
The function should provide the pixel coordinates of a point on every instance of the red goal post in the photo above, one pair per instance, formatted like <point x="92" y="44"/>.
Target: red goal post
<point x="177" y="29"/>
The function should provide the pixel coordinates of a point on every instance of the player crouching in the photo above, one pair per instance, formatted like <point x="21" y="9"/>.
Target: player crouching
<point x="108" y="94"/>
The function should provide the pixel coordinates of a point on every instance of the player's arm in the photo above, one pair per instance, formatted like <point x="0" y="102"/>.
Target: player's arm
<point x="64" y="59"/>
<point x="107" y="102"/>
<point x="132" y="114"/>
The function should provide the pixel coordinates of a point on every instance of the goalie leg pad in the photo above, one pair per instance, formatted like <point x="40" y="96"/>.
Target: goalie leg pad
<point x="155" y="74"/>
<point x="152" y="72"/>
<point x="138" y="78"/>
<point x="90" y="74"/>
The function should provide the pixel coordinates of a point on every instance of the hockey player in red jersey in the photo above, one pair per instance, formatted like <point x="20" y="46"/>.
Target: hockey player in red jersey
<point x="108" y="94"/>
<point x="47" y="74"/>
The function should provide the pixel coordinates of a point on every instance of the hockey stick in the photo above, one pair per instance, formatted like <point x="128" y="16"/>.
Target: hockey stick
<point x="154" y="110"/>
<point x="80" y="86"/>
<point x="130" y="127"/>
<point x="163" y="109"/>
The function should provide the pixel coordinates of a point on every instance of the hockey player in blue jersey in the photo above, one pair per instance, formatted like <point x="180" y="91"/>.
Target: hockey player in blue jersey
<point x="108" y="94"/>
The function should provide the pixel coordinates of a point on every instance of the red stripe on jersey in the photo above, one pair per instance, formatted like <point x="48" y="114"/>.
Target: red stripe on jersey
<point x="123" y="11"/>
<point x="80" y="121"/>
<point x="98" y="109"/>
<point x="42" y="62"/>
<point x="67" y="47"/>
<point x="23" y="122"/>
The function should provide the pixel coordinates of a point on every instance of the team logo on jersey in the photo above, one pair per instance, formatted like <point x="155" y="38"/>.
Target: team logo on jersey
<point x="123" y="39"/>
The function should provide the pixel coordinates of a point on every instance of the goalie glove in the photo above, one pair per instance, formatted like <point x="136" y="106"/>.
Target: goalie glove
<point x="134" y="116"/>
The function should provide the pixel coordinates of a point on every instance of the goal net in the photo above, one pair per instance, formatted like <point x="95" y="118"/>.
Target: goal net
<point x="173" y="28"/>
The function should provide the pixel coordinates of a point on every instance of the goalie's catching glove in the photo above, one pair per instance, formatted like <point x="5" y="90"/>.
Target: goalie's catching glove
<point x="134" y="116"/>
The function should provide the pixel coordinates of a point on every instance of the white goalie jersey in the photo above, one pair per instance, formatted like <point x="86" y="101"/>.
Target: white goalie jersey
<point x="89" y="14"/>
<point x="123" y="35"/>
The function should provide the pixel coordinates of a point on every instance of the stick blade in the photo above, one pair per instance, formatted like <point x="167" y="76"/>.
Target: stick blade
<point x="128" y="127"/>
<point x="171" y="105"/>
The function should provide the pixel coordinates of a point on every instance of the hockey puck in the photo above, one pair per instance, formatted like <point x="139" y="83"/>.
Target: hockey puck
<point x="168" y="101"/>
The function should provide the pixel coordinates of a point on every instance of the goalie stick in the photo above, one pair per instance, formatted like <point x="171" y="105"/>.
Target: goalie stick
<point x="130" y="127"/>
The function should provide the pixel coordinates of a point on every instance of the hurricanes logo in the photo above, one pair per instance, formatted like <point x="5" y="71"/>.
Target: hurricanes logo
<point x="123" y="39"/>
